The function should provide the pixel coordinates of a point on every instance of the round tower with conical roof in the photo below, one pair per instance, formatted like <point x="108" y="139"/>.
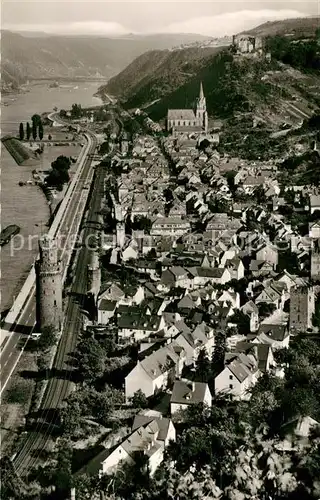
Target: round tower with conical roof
<point x="48" y="285"/>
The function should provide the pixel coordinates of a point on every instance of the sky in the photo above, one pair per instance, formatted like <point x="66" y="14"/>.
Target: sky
<point x="110" y="18"/>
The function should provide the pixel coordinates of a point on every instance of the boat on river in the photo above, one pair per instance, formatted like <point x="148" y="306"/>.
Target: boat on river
<point x="7" y="233"/>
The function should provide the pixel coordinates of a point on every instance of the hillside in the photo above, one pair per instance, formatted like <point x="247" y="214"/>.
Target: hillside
<point x="300" y="27"/>
<point x="46" y="56"/>
<point x="155" y="73"/>
<point x="170" y="79"/>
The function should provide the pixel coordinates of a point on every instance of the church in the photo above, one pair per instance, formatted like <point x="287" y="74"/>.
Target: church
<point x="189" y="120"/>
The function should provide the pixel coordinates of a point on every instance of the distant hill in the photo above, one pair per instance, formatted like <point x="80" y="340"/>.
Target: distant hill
<point x="52" y="56"/>
<point x="158" y="80"/>
<point x="297" y="27"/>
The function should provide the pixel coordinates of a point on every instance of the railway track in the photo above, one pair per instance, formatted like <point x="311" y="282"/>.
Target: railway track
<point x="59" y="387"/>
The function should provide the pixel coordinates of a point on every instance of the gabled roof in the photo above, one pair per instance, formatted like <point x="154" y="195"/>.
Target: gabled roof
<point x="187" y="392"/>
<point x="181" y="114"/>
<point x="180" y="325"/>
<point x="258" y="265"/>
<point x="314" y="224"/>
<point x="151" y="288"/>
<point x="233" y="263"/>
<point x="239" y="370"/>
<point x="143" y="420"/>
<point x="274" y="332"/>
<point x="143" y="439"/>
<point x="250" y="307"/>
<point x="139" y="322"/>
<point x="261" y="350"/>
<point x="177" y="271"/>
<point x="107" y="305"/>
<point x="171" y="221"/>
<point x="186" y="302"/>
<point x="113" y="292"/>
<point x="206" y="272"/>
<point x="254" y="180"/>
<point x="161" y="360"/>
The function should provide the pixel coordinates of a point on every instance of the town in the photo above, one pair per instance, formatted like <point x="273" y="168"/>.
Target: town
<point x="198" y="301"/>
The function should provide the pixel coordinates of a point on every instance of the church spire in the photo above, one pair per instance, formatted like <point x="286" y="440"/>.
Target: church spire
<point x="201" y="95"/>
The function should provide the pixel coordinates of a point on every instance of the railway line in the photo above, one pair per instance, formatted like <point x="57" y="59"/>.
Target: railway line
<point x="60" y="385"/>
<point x="20" y="322"/>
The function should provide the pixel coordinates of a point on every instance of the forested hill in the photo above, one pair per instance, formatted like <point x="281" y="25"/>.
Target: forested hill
<point x="44" y="56"/>
<point x="162" y="79"/>
<point x="157" y="73"/>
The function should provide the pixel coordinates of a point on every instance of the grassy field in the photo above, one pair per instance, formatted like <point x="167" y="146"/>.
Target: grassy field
<point x="17" y="150"/>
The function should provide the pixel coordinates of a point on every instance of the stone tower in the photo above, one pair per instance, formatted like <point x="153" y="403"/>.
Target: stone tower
<point x="48" y="285"/>
<point x="120" y="227"/>
<point x="94" y="275"/>
<point x="201" y="111"/>
<point x="302" y="308"/>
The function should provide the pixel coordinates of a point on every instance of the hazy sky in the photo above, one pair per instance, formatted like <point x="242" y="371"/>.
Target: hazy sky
<point x="213" y="17"/>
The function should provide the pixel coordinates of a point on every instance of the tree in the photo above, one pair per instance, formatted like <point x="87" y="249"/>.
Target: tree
<point x="142" y="223"/>
<point x="70" y="417"/>
<point x="87" y="487"/>
<point x="47" y="339"/>
<point x="230" y="175"/>
<point x="104" y="148"/>
<point x="76" y="111"/>
<point x="36" y="119"/>
<point x="42" y="365"/>
<point x="242" y="321"/>
<point x="91" y="360"/>
<point x="288" y="261"/>
<point x="21" y="132"/>
<point x="266" y="309"/>
<point x="131" y="481"/>
<point x="17" y="392"/>
<point x="203" y="366"/>
<point x="61" y="163"/>
<point x="139" y="400"/>
<point x="34" y="130"/>
<point x="40" y="131"/>
<point x="217" y="361"/>
<point x="59" y="174"/>
<point x="28" y="131"/>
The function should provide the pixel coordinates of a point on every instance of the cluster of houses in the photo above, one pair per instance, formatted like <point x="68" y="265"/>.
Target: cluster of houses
<point x="200" y="272"/>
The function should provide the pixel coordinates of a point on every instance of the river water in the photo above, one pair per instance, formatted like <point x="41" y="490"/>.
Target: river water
<point x="26" y="206"/>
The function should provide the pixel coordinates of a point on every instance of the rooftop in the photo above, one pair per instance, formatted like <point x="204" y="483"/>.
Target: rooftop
<point x="181" y="114"/>
<point x="187" y="392"/>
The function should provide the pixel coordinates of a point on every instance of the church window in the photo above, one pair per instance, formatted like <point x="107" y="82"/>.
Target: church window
<point x="54" y="302"/>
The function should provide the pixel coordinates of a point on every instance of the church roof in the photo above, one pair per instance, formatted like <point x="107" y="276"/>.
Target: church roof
<point x="188" y="129"/>
<point x="181" y="114"/>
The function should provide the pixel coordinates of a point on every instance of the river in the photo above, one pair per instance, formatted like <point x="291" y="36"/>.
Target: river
<point x="26" y="206"/>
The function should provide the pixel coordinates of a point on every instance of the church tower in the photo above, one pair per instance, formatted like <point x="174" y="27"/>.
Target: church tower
<point x="48" y="285"/>
<point x="120" y="226"/>
<point x="201" y="110"/>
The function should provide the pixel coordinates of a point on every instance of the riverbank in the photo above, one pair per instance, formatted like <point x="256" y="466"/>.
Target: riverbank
<point x="27" y="205"/>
